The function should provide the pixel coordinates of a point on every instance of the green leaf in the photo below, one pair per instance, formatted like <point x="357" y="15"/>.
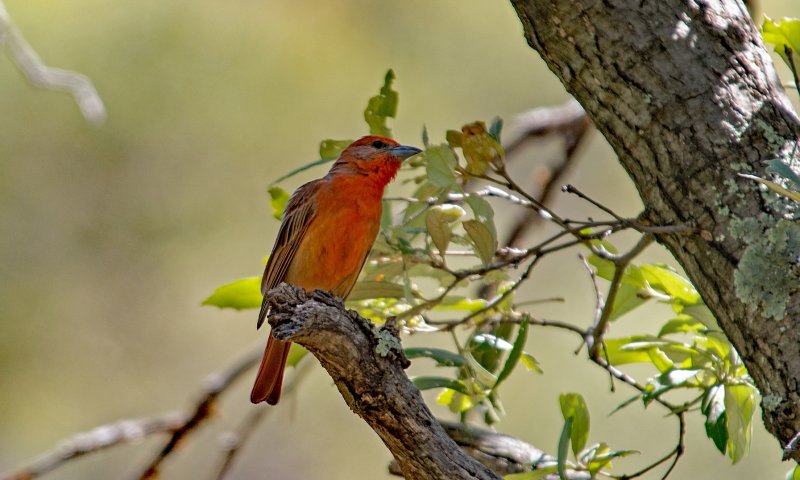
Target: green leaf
<point x="573" y="407"/>
<point x="296" y="353"/>
<point x="712" y="407"/>
<point x="427" y="383"/>
<point x="663" y="278"/>
<point x="774" y="187"/>
<point x="563" y="444"/>
<point x="461" y="304"/>
<point x="599" y="456"/>
<point x="442" y="357"/>
<point x="782" y="34"/>
<point x="483" y="239"/>
<point x="628" y="298"/>
<point x="278" y="198"/>
<point x="618" y="354"/>
<point x="667" y="381"/>
<point x="366" y="289"/>
<point x="682" y="324"/>
<point x="302" y="169"/>
<point x="514" y="355"/>
<point x="793" y="474"/>
<point x="239" y="295"/>
<point x="455" y="401"/>
<point x="382" y="106"/>
<point x="531" y="363"/>
<point x="440" y="163"/>
<point x="438" y="223"/>
<point x="740" y="404"/>
<point x="331" y="149"/>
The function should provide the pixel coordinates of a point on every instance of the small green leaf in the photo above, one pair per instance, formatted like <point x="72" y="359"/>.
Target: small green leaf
<point x="531" y="363"/>
<point x="628" y="298"/>
<point x="667" y="381"/>
<point x="495" y="128"/>
<point x="382" y="106"/>
<point x="461" y="304"/>
<point x="682" y="324"/>
<point x="782" y="34"/>
<point x="442" y="357"/>
<point x="740" y="404"/>
<point x="514" y="355"/>
<point x="663" y="278"/>
<point x="712" y="407"/>
<point x="427" y="383"/>
<point x="793" y="474"/>
<point x="455" y="401"/>
<point x="425" y="140"/>
<point x="483" y="239"/>
<point x="366" y="289"/>
<point x="331" y="149"/>
<point x="440" y="163"/>
<point x="618" y="353"/>
<point x="573" y="407"/>
<point x="278" y="198"/>
<point x="239" y="295"/>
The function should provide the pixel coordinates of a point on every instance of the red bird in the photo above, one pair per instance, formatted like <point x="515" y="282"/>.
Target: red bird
<point x="328" y="228"/>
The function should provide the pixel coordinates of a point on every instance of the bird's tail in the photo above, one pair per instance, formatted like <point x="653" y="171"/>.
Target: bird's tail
<point x="270" y="374"/>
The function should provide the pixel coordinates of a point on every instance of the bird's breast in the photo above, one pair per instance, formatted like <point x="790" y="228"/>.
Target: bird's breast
<point x="333" y="249"/>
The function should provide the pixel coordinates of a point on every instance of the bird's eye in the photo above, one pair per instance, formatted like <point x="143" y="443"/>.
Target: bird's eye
<point x="378" y="144"/>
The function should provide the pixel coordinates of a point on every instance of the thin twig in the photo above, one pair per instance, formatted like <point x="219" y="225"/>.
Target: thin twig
<point x="234" y="441"/>
<point x="215" y="384"/>
<point x="40" y="75"/>
<point x="97" y="439"/>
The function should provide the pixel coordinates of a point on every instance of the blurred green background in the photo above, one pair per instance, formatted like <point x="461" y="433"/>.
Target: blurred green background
<point x="113" y="235"/>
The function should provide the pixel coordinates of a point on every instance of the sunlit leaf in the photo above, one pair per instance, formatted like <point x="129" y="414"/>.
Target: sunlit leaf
<point x="665" y="279"/>
<point x="331" y="149"/>
<point x="440" y="163"/>
<point x="442" y="357"/>
<point x="712" y="407"/>
<point x="483" y="239"/>
<point x="599" y="457"/>
<point x="382" y="106"/>
<point x="514" y="354"/>
<point x="628" y="298"/>
<point x="455" y="401"/>
<point x="740" y="404"/>
<point x="666" y="382"/>
<point x="481" y="373"/>
<point x="278" y="198"/>
<point x="781" y="34"/>
<point x="239" y="295"/>
<point x="370" y="289"/>
<point x="461" y="304"/>
<point x="531" y="363"/>
<point x="574" y="407"/>
<point x="427" y="383"/>
<point x="682" y="324"/>
<point x="618" y="353"/>
<point x="793" y="474"/>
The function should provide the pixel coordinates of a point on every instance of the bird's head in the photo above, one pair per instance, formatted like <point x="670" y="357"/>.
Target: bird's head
<point x="376" y="157"/>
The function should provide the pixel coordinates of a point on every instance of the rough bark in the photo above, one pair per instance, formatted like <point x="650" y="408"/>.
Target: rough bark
<point x="687" y="96"/>
<point x="367" y="367"/>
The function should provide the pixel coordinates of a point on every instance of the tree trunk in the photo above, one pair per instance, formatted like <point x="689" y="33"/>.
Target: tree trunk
<point x="687" y="96"/>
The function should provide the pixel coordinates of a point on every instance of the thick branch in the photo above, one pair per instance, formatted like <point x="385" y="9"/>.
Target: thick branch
<point x="687" y="96"/>
<point x="367" y="367"/>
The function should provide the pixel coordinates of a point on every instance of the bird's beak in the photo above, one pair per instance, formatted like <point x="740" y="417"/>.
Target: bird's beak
<point x="404" y="151"/>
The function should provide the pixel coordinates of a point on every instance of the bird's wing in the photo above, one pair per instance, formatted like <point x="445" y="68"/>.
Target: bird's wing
<point x="300" y="212"/>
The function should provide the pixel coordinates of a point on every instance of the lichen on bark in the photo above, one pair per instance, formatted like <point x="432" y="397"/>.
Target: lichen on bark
<point x="769" y="270"/>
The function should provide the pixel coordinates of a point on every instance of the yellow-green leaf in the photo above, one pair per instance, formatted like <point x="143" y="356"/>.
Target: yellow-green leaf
<point x="574" y="407"/>
<point x="330" y="148"/>
<point x="382" y="106"/>
<point x="740" y="404"/>
<point x="277" y="200"/>
<point x="239" y="295"/>
<point x="481" y="236"/>
<point x="440" y="162"/>
<point x="438" y="223"/>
